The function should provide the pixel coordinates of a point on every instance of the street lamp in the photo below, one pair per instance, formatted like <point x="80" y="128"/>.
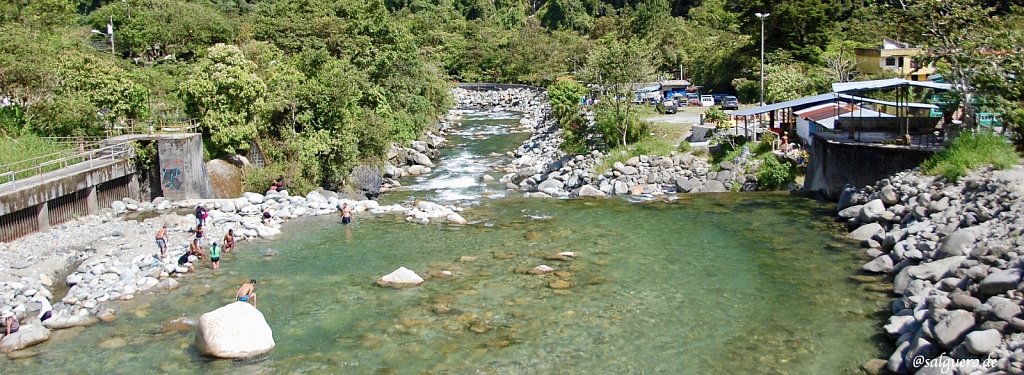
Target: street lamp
<point x="762" y="16"/>
<point x="109" y="33"/>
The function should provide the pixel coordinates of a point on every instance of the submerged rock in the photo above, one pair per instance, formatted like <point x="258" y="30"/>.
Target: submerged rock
<point x="237" y="330"/>
<point x="402" y="277"/>
<point x="541" y="269"/>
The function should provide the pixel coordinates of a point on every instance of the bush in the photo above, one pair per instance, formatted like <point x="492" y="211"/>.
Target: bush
<point x="610" y="123"/>
<point x="773" y="175"/>
<point x="685" y="147"/>
<point x="969" y="151"/>
<point x="765" y="146"/>
<point x="716" y="115"/>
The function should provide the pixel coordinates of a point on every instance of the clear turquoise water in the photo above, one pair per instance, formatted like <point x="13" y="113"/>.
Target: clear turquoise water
<point x="707" y="284"/>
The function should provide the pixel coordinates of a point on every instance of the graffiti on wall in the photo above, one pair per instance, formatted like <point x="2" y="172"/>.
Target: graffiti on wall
<point x="171" y="174"/>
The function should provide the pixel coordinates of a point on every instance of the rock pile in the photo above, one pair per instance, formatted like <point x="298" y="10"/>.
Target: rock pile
<point x="956" y="252"/>
<point x="414" y="160"/>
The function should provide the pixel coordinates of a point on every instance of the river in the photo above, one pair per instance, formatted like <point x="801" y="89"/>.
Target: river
<point x="703" y="284"/>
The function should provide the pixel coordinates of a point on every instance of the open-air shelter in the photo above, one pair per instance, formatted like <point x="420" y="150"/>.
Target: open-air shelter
<point x="781" y="116"/>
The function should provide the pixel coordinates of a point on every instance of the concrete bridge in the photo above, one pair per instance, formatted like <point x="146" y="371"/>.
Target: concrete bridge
<point x="36" y="194"/>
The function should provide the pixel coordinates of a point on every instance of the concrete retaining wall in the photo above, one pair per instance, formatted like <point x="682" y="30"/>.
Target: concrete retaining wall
<point x="182" y="170"/>
<point x="834" y="164"/>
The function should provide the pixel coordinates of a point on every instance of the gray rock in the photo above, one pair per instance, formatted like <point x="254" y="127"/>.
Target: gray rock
<point x="871" y="211"/>
<point x="629" y="170"/>
<point x="423" y="160"/>
<point x="118" y="206"/>
<point x="953" y="327"/>
<point x="1000" y="281"/>
<point x="850" y="212"/>
<point x="685" y="185"/>
<point x="935" y="270"/>
<point x="983" y="342"/>
<point x="964" y="301"/>
<point x="620" y="188"/>
<point x="895" y="364"/>
<point x="550" y="184"/>
<point x="26" y="336"/>
<point x="715" y="186"/>
<point x="888" y="195"/>
<point x="590" y="191"/>
<point x="1002" y="308"/>
<point x="900" y="324"/>
<point x="866" y="231"/>
<point x="959" y="243"/>
<point x="881" y="264"/>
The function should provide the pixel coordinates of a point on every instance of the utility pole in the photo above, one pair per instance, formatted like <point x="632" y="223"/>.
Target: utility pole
<point x="762" y="16"/>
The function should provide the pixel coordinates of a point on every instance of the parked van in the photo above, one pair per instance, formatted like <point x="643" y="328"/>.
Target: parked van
<point x="707" y="101"/>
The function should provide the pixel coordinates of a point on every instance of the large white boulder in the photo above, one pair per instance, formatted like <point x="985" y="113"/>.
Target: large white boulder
<point x="237" y="330"/>
<point x="401" y="277"/>
<point x="26" y="336"/>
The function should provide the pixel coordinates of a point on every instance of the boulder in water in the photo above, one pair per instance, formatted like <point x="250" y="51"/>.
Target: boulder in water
<point x="237" y="330"/>
<point x="402" y="277"/>
<point x="27" y="336"/>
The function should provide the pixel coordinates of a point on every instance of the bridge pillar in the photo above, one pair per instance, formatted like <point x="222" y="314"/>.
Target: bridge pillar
<point x="43" y="217"/>
<point x="92" y="203"/>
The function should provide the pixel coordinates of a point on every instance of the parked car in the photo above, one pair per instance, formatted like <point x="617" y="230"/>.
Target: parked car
<point x="730" y="102"/>
<point x="667" y="107"/>
<point x="707" y="101"/>
<point x="693" y="99"/>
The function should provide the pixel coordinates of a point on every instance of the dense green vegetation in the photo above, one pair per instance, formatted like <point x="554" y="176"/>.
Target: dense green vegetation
<point x="969" y="151"/>
<point x="323" y="85"/>
<point x="25" y="152"/>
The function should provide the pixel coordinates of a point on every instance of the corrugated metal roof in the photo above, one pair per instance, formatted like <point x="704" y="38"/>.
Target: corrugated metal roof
<point x="885" y="84"/>
<point x="807" y="100"/>
<point x="862" y="99"/>
<point x="824" y="98"/>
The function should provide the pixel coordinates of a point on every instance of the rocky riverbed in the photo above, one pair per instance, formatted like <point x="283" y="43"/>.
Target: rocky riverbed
<point x="85" y="265"/>
<point x="956" y="257"/>
<point x="541" y="169"/>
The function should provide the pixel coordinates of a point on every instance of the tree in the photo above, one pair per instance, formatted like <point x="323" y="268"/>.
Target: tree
<point x="225" y="94"/>
<point x="957" y="40"/>
<point x="617" y="67"/>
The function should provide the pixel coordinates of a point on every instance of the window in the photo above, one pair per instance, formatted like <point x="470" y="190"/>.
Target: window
<point x="890" y="61"/>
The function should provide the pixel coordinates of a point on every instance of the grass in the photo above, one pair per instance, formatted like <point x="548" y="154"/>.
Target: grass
<point x="969" y="151"/>
<point x="19" y="151"/>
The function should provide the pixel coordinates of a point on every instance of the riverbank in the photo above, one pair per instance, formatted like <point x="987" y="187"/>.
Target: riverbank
<point x="953" y="251"/>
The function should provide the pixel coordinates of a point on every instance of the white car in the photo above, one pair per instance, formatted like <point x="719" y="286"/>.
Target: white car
<point x="707" y="101"/>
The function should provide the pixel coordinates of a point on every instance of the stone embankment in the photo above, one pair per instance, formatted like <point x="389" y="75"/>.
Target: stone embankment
<point x="956" y="255"/>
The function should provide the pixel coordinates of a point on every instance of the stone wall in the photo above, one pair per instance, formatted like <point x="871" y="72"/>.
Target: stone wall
<point x="835" y="163"/>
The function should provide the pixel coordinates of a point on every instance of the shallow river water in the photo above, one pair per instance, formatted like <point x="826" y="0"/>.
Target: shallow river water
<point x="705" y="284"/>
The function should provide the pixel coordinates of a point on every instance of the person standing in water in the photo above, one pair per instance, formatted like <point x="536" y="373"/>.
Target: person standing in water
<point x="346" y="214"/>
<point x="161" y="241"/>
<point x="247" y="292"/>
<point x="215" y="256"/>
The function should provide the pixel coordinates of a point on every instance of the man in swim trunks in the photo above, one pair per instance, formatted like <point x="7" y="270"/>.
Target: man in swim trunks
<point x="346" y="214"/>
<point x="247" y="292"/>
<point x="161" y="240"/>
<point x="199" y="234"/>
<point x="229" y="241"/>
<point x="215" y="256"/>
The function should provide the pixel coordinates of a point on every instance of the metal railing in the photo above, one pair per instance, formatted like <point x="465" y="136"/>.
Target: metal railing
<point x="125" y="150"/>
<point x="157" y="126"/>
